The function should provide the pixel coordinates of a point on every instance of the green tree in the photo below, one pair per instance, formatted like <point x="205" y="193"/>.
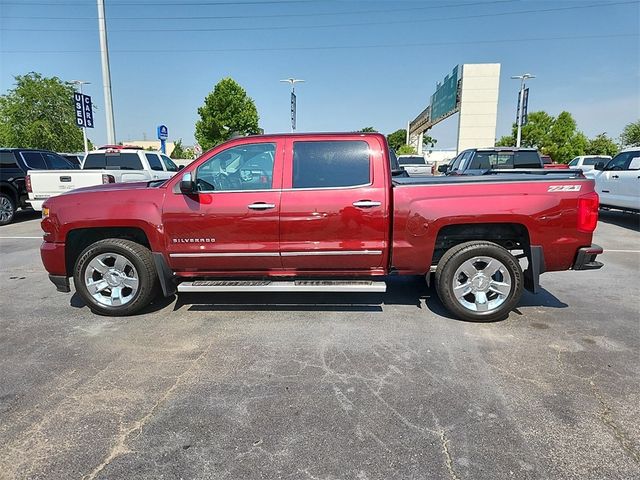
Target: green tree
<point x="39" y="113"/>
<point x="557" y="137"/>
<point x="631" y="135"/>
<point x="602" y="145"/>
<point x="429" y="141"/>
<point x="368" y="130"/>
<point x="228" y="110"/>
<point x="397" y="138"/>
<point x="178" y="150"/>
<point x="406" y="150"/>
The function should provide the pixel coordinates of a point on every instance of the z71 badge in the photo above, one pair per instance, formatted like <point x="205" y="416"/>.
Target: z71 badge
<point x="564" y="188"/>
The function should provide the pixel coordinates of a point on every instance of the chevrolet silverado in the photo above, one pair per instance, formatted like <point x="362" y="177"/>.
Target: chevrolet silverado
<point x="319" y="213"/>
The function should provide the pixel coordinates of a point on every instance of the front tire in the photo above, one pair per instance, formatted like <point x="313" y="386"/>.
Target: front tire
<point x="479" y="281"/>
<point x="7" y="209"/>
<point x="116" y="277"/>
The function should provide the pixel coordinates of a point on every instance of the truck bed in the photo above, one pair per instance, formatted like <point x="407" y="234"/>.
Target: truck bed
<point x="516" y="175"/>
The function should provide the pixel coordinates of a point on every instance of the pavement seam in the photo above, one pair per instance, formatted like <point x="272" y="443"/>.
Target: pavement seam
<point x="120" y="447"/>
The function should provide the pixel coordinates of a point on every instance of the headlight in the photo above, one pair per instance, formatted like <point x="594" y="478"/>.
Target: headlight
<point x="45" y="212"/>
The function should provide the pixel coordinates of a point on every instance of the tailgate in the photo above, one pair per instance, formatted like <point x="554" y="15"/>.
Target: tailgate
<point x="49" y="183"/>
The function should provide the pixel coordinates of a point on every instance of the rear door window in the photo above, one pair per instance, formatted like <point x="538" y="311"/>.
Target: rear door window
<point x="331" y="164"/>
<point x="154" y="161"/>
<point x="34" y="160"/>
<point x="56" y="162"/>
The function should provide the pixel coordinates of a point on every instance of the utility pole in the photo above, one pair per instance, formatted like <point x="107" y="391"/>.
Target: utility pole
<point x="293" y="82"/>
<point x="522" y="79"/>
<point x="79" y="84"/>
<point x="106" y="74"/>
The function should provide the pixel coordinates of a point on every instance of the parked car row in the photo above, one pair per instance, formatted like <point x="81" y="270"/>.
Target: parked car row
<point x="29" y="176"/>
<point x="113" y="164"/>
<point x="14" y="165"/>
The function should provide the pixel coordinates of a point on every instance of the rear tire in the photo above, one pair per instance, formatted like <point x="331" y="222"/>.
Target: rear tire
<point x="7" y="209"/>
<point x="479" y="281"/>
<point x="116" y="277"/>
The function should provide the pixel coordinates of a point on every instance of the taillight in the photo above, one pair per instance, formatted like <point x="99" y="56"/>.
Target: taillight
<point x="588" y="212"/>
<point x="108" y="178"/>
<point x="27" y="182"/>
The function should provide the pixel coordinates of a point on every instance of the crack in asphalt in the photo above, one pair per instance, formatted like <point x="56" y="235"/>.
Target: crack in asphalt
<point x="448" y="460"/>
<point x="606" y="418"/>
<point x="120" y="446"/>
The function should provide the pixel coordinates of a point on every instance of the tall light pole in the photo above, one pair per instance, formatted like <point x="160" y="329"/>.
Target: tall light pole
<point x="523" y="78"/>
<point x="106" y="74"/>
<point x="293" y="82"/>
<point x="79" y="84"/>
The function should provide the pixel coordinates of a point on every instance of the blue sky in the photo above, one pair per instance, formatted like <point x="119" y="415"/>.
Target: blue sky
<point x="167" y="55"/>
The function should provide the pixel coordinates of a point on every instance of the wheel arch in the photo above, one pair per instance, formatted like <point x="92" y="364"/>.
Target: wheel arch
<point x="80" y="238"/>
<point x="509" y="235"/>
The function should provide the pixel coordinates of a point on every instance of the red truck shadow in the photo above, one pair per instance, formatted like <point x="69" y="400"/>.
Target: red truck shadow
<point x="408" y="291"/>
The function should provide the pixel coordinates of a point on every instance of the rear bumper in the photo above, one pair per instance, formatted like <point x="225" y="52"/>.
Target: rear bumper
<point x="586" y="258"/>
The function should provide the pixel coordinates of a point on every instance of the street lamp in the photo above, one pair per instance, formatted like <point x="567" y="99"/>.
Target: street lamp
<point x="79" y="84"/>
<point x="524" y="77"/>
<point x="293" y="82"/>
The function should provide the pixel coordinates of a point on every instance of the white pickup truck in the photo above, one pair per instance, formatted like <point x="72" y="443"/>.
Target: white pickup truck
<point x="618" y="181"/>
<point x="111" y="165"/>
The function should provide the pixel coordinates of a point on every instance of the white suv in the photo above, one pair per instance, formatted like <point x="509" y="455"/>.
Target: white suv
<point x="618" y="181"/>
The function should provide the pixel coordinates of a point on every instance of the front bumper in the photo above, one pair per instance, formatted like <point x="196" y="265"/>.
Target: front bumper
<point x="53" y="258"/>
<point x="586" y="258"/>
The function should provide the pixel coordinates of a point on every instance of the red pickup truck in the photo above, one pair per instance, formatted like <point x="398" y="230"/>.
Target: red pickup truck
<point x="320" y="213"/>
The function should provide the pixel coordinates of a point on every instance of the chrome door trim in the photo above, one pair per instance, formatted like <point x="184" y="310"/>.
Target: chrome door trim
<point x="275" y="254"/>
<point x="224" y="254"/>
<point x="331" y="252"/>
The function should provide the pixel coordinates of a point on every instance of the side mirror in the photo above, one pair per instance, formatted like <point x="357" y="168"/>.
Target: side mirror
<point x="187" y="185"/>
<point x="180" y="167"/>
<point x="599" y="166"/>
<point x="443" y="168"/>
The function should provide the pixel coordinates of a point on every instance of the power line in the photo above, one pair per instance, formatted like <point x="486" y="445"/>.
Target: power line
<point x="338" y="47"/>
<point x="334" y="25"/>
<point x="277" y="15"/>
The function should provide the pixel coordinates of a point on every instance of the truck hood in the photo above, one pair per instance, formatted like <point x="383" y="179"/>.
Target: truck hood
<point x="111" y="187"/>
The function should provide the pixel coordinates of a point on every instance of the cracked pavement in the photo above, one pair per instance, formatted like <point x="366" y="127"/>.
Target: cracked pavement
<point x="323" y="386"/>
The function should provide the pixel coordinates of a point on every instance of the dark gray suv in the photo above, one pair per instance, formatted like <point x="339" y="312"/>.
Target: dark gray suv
<point x="478" y="161"/>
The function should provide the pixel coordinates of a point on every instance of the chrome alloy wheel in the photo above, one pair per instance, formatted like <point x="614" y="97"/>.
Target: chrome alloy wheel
<point x="482" y="284"/>
<point x="111" y="279"/>
<point x="6" y="209"/>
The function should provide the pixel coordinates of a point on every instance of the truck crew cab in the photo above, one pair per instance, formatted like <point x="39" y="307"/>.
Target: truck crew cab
<point x="318" y="212"/>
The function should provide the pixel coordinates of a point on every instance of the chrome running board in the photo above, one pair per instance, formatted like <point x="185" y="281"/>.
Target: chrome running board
<point x="364" y="286"/>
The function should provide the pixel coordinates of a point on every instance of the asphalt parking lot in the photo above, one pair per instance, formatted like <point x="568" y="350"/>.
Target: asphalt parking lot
<point x="323" y="386"/>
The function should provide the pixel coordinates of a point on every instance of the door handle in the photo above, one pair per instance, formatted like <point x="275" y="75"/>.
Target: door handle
<point x="261" y="206"/>
<point x="615" y="176"/>
<point x="366" y="204"/>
